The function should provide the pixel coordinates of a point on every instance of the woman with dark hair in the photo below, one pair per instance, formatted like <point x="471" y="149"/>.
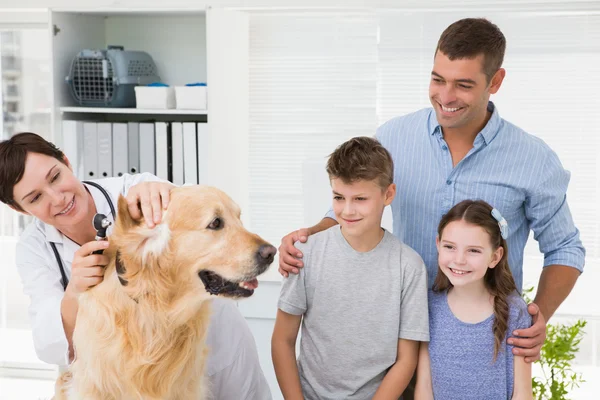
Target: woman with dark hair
<point x="55" y="259"/>
<point x="54" y="253"/>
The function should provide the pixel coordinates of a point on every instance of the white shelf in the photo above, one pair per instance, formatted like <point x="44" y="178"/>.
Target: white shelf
<point x="102" y="110"/>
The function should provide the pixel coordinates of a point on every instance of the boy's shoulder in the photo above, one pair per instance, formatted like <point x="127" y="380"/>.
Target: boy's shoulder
<point x="410" y="261"/>
<point x="317" y="240"/>
<point x="409" y="255"/>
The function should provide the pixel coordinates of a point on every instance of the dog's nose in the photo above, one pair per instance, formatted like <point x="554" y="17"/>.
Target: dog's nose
<point x="266" y="254"/>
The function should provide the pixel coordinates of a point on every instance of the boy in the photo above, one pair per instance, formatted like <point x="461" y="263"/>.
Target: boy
<point x="363" y="300"/>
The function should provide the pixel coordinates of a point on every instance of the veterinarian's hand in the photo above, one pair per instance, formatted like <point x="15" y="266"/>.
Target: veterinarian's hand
<point x="148" y="199"/>
<point x="532" y="339"/>
<point x="87" y="269"/>
<point x="289" y="256"/>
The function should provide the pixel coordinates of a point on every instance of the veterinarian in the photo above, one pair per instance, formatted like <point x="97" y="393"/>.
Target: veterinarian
<point x="462" y="149"/>
<point x="55" y="261"/>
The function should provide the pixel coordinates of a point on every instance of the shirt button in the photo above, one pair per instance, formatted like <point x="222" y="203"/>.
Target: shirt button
<point x="444" y="147"/>
<point x="448" y="182"/>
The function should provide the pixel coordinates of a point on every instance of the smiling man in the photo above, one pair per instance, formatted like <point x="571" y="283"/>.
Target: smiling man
<point x="462" y="149"/>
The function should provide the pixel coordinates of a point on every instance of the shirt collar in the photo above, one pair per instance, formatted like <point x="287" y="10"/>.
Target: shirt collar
<point x="52" y="234"/>
<point x="489" y="131"/>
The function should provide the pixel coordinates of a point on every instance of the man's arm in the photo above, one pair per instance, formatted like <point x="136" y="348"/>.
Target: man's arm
<point x="283" y="350"/>
<point x="556" y="282"/>
<point x="555" y="285"/>
<point x="325" y="223"/>
<point x="550" y="219"/>
<point x="399" y="375"/>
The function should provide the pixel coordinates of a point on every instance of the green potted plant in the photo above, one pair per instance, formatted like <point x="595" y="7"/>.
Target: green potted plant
<point x="559" y="350"/>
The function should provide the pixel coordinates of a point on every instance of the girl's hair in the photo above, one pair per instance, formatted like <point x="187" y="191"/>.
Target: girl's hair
<point x="499" y="280"/>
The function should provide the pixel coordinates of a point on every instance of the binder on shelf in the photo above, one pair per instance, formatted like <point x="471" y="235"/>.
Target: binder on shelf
<point x="147" y="148"/>
<point x="133" y="147"/>
<point x="177" y="153"/>
<point x="190" y="152"/>
<point x="162" y="151"/>
<point x="203" y="156"/>
<point x="90" y="150"/>
<point x="73" y="145"/>
<point x="105" y="149"/>
<point x="174" y="151"/>
<point x="120" y="149"/>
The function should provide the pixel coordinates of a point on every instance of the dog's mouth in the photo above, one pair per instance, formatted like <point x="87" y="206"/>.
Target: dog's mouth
<point x="217" y="285"/>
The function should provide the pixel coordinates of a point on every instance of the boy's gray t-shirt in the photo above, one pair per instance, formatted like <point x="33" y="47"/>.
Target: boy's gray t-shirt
<point x="356" y="306"/>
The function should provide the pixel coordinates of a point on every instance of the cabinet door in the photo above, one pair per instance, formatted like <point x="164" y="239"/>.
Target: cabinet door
<point x="25" y="99"/>
<point x="223" y="154"/>
<point x="71" y="33"/>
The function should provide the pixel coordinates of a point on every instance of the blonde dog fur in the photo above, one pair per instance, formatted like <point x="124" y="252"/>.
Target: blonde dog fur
<point x="140" y="334"/>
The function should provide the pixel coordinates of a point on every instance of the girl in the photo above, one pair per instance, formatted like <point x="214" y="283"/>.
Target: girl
<point x="472" y="309"/>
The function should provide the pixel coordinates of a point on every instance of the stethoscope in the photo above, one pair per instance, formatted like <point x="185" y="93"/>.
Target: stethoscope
<point x="100" y="223"/>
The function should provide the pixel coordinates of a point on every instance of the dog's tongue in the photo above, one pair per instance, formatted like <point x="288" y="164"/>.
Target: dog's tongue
<point x="253" y="284"/>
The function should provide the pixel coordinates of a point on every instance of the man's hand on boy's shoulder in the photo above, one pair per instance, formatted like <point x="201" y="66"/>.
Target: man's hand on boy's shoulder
<point x="289" y="255"/>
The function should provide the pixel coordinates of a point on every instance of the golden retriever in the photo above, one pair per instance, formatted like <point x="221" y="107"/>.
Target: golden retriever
<point x="140" y="334"/>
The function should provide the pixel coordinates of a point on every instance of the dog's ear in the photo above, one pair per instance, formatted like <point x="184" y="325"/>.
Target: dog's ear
<point x="126" y="222"/>
<point x="135" y="238"/>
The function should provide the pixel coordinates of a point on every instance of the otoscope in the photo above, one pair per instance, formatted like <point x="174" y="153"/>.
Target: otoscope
<point x="101" y="224"/>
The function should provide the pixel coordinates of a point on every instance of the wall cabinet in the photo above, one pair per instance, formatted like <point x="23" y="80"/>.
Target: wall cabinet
<point x="187" y="45"/>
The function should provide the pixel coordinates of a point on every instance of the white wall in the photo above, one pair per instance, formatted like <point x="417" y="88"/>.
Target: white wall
<point x="549" y="5"/>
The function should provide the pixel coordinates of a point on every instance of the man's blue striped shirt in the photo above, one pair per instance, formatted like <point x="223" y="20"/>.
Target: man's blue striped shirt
<point x="515" y="172"/>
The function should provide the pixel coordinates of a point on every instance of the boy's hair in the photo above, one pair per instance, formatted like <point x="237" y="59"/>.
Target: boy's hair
<point x="499" y="281"/>
<point x="362" y="158"/>
<point x="469" y="37"/>
<point x="13" y="155"/>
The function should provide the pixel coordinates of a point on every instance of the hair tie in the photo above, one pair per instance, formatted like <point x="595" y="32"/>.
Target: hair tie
<point x="502" y="224"/>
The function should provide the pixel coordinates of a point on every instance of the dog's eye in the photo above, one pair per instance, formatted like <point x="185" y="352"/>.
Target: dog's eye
<point x="216" y="224"/>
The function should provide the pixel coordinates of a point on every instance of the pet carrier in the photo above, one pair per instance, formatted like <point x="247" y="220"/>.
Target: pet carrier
<point x="106" y="78"/>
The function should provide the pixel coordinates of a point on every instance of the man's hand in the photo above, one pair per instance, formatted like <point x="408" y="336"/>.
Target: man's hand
<point x="289" y="256"/>
<point x="532" y="339"/>
<point x="148" y="199"/>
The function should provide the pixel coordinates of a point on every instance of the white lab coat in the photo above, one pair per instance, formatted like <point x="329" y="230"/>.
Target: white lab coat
<point x="233" y="367"/>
